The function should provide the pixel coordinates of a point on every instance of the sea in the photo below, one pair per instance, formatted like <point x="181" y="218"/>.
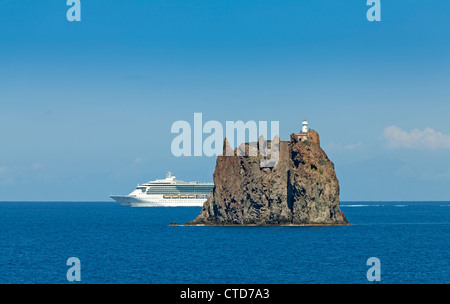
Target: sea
<point x="116" y="244"/>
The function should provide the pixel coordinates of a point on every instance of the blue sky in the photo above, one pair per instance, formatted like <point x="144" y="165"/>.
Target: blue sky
<point x="86" y="107"/>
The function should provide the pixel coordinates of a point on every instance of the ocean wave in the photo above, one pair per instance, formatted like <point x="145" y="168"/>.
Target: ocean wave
<point x="360" y="205"/>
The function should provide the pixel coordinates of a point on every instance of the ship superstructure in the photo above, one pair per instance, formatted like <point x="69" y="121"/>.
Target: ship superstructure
<point x="168" y="192"/>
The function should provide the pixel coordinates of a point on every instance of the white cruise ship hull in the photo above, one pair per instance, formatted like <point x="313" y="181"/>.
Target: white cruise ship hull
<point x="168" y="192"/>
<point x="156" y="201"/>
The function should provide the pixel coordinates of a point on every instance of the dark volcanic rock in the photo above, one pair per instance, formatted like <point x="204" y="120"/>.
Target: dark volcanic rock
<point x="302" y="189"/>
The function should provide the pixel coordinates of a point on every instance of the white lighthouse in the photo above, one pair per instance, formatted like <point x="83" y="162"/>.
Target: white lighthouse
<point x="304" y="126"/>
<point x="303" y="135"/>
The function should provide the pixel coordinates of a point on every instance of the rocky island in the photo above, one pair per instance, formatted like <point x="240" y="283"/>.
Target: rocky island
<point x="301" y="189"/>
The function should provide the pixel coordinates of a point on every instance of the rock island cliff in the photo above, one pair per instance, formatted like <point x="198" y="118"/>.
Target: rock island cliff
<point x="301" y="189"/>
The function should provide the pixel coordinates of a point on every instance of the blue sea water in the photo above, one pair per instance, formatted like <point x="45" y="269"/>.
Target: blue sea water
<point x="118" y="244"/>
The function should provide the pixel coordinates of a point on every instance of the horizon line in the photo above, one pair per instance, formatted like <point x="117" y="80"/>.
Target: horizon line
<point x="344" y="201"/>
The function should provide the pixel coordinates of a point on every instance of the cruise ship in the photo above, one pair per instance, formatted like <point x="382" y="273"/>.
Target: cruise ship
<point x="168" y="192"/>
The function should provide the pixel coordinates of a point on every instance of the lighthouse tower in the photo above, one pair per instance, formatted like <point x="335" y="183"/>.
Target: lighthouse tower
<point x="304" y="126"/>
<point x="303" y="135"/>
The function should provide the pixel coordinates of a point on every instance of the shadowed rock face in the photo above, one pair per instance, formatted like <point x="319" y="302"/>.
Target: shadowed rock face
<point x="302" y="189"/>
